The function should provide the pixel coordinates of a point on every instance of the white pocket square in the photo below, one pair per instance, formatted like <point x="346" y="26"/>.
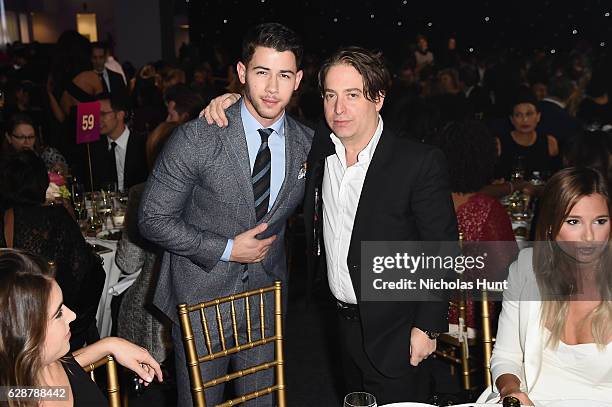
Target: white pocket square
<point x="302" y="172"/>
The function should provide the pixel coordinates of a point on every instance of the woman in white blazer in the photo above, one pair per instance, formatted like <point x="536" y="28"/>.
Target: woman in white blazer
<point x="560" y="349"/>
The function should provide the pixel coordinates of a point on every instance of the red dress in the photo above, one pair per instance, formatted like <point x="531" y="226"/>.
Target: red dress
<point x="483" y="219"/>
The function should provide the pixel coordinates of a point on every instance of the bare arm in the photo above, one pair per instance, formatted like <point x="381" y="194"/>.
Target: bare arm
<point x="127" y="354"/>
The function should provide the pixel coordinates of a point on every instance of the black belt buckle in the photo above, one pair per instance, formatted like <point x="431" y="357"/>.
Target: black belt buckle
<point x="348" y="311"/>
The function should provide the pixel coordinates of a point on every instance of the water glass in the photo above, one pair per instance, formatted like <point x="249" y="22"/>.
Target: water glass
<point x="359" y="399"/>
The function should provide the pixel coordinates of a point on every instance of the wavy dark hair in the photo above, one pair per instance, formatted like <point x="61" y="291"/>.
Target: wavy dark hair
<point x="272" y="35"/>
<point x="470" y="152"/>
<point x="25" y="287"/>
<point x="24" y="179"/>
<point x="554" y="270"/>
<point x="370" y="65"/>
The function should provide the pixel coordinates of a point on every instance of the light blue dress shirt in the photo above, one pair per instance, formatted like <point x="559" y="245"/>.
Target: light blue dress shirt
<point x="276" y="143"/>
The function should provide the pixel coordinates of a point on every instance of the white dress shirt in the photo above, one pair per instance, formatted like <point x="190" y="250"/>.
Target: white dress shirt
<point x="120" y="151"/>
<point x="341" y="191"/>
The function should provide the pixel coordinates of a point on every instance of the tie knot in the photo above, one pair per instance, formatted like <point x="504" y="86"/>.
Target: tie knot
<point x="113" y="145"/>
<point x="265" y="133"/>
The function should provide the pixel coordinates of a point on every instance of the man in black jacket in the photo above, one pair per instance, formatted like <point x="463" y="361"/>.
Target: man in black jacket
<point x="365" y="184"/>
<point x="112" y="82"/>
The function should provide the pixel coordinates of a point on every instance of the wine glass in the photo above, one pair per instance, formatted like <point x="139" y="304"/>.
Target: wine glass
<point x="359" y="399"/>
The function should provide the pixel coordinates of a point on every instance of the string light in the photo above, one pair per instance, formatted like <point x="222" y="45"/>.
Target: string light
<point x="574" y="31"/>
<point x="429" y="24"/>
<point x="487" y="19"/>
<point x="399" y="23"/>
<point x="552" y="51"/>
<point x="371" y="16"/>
<point x="602" y="44"/>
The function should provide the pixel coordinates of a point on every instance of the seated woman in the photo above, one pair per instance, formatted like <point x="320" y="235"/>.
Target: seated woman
<point x="50" y="232"/>
<point x="523" y="150"/>
<point x="555" y="330"/>
<point x="22" y="135"/>
<point x="470" y="154"/>
<point x="35" y="329"/>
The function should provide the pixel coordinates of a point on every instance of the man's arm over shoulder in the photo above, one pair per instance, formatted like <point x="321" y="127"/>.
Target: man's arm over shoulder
<point x="166" y="194"/>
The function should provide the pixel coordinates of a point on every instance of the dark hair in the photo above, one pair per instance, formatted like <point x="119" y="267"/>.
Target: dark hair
<point x="25" y="287"/>
<point x="99" y="45"/>
<point x="369" y="64"/>
<point x="272" y="35"/>
<point x="24" y="179"/>
<point x="524" y="96"/>
<point x="186" y="100"/>
<point x="18" y="119"/>
<point x="469" y="75"/>
<point x="560" y="88"/>
<point x="592" y="150"/>
<point x="71" y="57"/>
<point x="119" y="103"/>
<point x="462" y="142"/>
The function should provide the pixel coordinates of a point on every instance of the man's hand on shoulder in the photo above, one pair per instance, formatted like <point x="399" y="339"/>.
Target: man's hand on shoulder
<point x="248" y="249"/>
<point x="420" y="346"/>
<point x="215" y="111"/>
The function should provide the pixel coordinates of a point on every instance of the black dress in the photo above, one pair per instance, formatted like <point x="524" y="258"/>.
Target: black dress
<point x="531" y="158"/>
<point x="84" y="391"/>
<point x="50" y="232"/>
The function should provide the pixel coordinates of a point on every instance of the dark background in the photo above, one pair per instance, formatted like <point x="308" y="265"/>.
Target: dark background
<point x="512" y="25"/>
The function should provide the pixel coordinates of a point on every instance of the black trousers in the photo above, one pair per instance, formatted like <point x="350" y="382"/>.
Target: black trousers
<point x="361" y="375"/>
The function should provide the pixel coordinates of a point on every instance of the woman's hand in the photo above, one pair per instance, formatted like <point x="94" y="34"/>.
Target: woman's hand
<point x="137" y="359"/>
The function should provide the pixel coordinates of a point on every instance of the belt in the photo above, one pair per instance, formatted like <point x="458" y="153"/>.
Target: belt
<point x="347" y="311"/>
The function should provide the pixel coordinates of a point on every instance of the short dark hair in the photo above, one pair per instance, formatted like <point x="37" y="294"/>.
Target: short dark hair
<point x="524" y="96"/>
<point x="272" y="35"/>
<point x="461" y="142"/>
<point x="370" y="65"/>
<point x="99" y="45"/>
<point x="560" y="88"/>
<point x="186" y="100"/>
<point x="18" y="119"/>
<point x="24" y="179"/>
<point x="119" y="103"/>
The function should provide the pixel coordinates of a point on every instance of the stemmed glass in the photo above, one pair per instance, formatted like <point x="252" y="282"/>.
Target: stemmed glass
<point x="359" y="399"/>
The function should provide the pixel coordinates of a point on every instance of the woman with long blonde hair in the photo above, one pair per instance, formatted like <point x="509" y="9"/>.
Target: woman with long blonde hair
<point x="555" y="330"/>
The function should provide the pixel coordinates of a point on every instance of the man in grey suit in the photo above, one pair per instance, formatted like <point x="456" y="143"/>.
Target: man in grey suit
<point x="218" y="199"/>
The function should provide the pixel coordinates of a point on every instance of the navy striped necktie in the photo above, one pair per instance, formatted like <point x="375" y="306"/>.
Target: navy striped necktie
<point x="261" y="175"/>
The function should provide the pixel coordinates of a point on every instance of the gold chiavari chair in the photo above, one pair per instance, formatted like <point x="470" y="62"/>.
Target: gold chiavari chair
<point x="194" y="360"/>
<point x="461" y="343"/>
<point x="114" y="398"/>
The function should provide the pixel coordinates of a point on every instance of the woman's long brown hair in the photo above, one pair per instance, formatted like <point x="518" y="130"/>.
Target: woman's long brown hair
<point x="25" y="286"/>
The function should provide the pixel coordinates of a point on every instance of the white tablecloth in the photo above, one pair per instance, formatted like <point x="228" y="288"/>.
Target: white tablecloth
<point x="112" y="277"/>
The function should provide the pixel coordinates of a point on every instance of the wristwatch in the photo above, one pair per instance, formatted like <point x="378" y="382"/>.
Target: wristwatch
<point x="431" y="335"/>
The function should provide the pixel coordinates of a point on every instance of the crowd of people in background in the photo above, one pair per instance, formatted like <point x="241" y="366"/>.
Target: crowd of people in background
<point x="501" y="121"/>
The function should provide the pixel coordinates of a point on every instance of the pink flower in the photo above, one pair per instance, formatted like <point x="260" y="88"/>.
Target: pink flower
<point x="57" y="179"/>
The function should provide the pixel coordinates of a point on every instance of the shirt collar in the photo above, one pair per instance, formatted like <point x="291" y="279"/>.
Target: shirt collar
<point x="554" y="101"/>
<point x="122" y="141"/>
<point x="251" y="125"/>
<point x="364" y="155"/>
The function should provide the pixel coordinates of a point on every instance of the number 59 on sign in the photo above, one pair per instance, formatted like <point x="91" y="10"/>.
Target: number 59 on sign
<point x="88" y="122"/>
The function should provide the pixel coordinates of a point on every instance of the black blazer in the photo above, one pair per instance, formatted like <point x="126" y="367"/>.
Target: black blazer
<point x="557" y="122"/>
<point x="406" y="196"/>
<point x="135" y="170"/>
<point x="117" y="86"/>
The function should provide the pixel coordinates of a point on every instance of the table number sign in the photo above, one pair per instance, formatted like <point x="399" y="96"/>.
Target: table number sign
<point x="88" y="122"/>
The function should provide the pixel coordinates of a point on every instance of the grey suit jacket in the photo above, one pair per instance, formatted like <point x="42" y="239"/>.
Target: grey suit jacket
<point x="199" y="195"/>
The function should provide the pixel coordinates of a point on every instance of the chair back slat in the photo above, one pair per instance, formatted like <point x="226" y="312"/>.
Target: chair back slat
<point x="194" y="360"/>
<point x="220" y="327"/>
<point x="247" y="305"/>
<point x="206" y="331"/>
<point x="262" y="322"/>
<point x="234" y="324"/>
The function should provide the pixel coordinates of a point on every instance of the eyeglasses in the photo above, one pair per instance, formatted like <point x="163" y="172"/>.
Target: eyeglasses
<point x="23" y="138"/>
